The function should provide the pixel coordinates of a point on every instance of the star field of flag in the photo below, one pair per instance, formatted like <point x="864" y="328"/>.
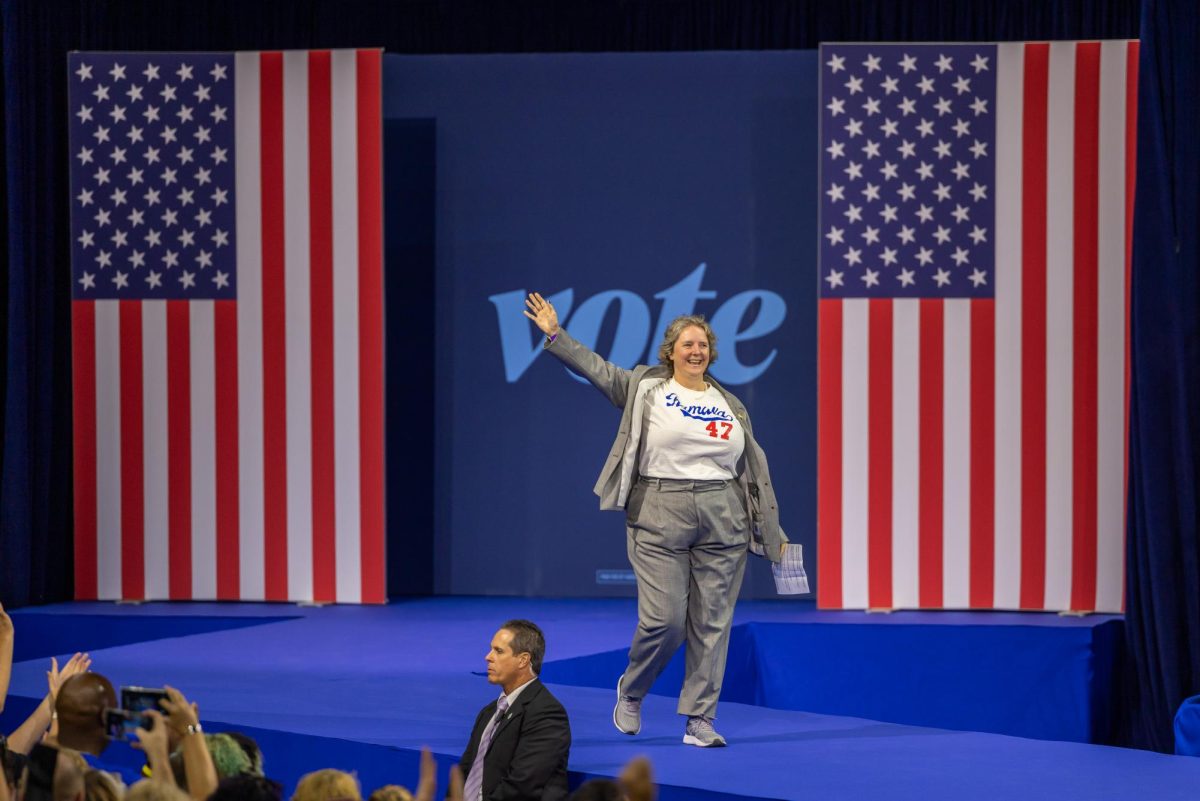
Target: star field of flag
<point x="907" y="171"/>
<point x="152" y="176"/>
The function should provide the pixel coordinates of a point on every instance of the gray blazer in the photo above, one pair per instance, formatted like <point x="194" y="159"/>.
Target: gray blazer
<point x="619" y="474"/>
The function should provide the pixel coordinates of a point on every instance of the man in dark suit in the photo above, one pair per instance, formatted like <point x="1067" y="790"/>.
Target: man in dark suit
<point x="524" y="734"/>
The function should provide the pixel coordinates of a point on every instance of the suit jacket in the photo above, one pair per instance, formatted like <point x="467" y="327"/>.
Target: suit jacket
<point x="624" y="388"/>
<point x="527" y="760"/>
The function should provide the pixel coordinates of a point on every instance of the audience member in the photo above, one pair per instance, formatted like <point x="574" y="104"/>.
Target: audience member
<point x="248" y="788"/>
<point x="32" y="730"/>
<point x="390" y="792"/>
<point x="43" y="717"/>
<point x="427" y="782"/>
<point x="68" y="781"/>
<point x="228" y="757"/>
<point x="637" y="780"/>
<point x="100" y="785"/>
<point x="519" y="745"/>
<point x="182" y="718"/>
<point x="12" y="765"/>
<point x="51" y="774"/>
<point x="253" y="752"/>
<point x="327" y="785"/>
<point x="151" y="790"/>
<point x="80" y="705"/>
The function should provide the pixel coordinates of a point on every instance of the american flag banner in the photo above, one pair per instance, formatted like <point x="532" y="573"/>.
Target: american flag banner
<point x="227" y="304"/>
<point x="975" y="219"/>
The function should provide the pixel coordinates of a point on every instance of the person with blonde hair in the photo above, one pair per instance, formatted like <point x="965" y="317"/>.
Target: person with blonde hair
<point x="390" y="792"/>
<point x="694" y="485"/>
<point x="99" y="785"/>
<point x="327" y="784"/>
<point x="155" y="790"/>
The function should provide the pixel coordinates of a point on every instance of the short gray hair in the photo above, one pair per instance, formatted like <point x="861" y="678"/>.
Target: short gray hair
<point x="671" y="336"/>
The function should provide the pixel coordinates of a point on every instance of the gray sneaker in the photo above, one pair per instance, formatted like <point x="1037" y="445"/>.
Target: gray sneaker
<point x="700" y="732"/>
<point x="627" y="714"/>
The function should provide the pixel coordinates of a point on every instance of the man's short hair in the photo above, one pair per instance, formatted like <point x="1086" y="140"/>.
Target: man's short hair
<point x="528" y="638"/>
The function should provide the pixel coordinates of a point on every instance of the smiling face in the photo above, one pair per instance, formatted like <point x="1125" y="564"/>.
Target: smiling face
<point x="509" y="670"/>
<point x="690" y="356"/>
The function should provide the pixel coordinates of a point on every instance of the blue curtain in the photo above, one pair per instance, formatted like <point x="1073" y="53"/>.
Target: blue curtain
<point x="1163" y="570"/>
<point x="35" y="438"/>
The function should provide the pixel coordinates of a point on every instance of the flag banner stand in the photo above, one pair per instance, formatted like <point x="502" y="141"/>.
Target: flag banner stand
<point x="226" y="218"/>
<point x="975" y="204"/>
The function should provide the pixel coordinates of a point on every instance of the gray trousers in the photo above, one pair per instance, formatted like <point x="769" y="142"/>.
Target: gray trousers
<point x="687" y="543"/>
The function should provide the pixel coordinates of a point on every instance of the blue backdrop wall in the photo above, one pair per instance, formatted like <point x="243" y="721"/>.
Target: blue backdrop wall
<point x="629" y="189"/>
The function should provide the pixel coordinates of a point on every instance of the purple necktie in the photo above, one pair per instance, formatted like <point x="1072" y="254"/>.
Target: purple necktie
<point x="473" y="790"/>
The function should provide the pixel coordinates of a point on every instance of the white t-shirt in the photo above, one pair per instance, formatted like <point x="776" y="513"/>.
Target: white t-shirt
<point x="691" y="435"/>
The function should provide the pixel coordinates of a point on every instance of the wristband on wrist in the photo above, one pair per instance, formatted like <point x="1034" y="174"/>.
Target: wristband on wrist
<point x="550" y="339"/>
<point x="193" y="728"/>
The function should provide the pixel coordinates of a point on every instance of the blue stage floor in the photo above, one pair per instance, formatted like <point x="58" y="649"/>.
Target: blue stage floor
<point x="363" y="688"/>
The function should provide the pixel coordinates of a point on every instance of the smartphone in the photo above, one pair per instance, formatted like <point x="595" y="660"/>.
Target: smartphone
<point x="118" y="723"/>
<point x="139" y="699"/>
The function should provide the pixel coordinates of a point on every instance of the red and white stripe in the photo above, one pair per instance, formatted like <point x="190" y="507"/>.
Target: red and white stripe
<point x="972" y="452"/>
<point x="233" y="450"/>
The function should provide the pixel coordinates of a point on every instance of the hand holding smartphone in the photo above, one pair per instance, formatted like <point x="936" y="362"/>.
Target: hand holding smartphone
<point x="119" y="724"/>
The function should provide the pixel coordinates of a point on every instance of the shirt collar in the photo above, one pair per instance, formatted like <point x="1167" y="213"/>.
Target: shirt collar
<point x="512" y="697"/>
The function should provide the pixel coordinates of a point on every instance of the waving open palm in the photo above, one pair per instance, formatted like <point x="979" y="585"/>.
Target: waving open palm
<point x="543" y="314"/>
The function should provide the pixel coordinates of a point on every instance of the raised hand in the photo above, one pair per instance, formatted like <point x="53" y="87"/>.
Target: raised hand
<point x="79" y="663"/>
<point x="154" y="736"/>
<point x="180" y="712"/>
<point x="637" y="779"/>
<point x="153" y="741"/>
<point x="427" y="783"/>
<point x="543" y="314"/>
<point x="455" y="793"/>
<point x="183" y="721"/>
